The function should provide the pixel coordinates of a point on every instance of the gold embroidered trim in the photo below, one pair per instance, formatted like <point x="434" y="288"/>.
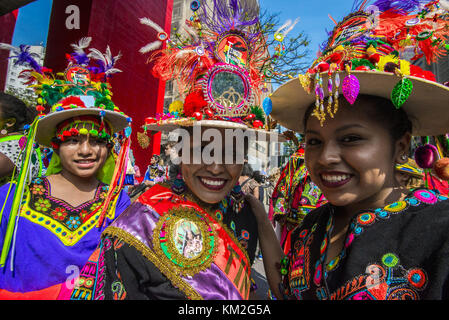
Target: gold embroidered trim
<point x="164" y="243"/>
<point x="150" y="255"/>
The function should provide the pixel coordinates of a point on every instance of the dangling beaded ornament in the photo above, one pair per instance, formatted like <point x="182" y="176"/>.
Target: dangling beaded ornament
<point x="336" y="93"/>
<point x="351" y="86"/>
<point x="237" y="198"/>
<point x="319" y="100"/>
<point x="178" y="185"/>
<point x="330" y="90"/>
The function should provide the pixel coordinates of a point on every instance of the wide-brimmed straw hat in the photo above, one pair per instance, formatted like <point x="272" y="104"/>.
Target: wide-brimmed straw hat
<point x="366" y="54"/>
<point x="47" y="125"/>
<point x="427" y="105"/>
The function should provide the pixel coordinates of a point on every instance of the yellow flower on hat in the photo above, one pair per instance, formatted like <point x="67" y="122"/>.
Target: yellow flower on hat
<point x="96" y="85"/>
<point x="404" y="65"/>
<point x="176" y="106"/>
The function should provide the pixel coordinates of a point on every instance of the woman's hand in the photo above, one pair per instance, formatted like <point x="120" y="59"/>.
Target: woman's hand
<point x="272" y="252"/>
<point x="257" y="208"/>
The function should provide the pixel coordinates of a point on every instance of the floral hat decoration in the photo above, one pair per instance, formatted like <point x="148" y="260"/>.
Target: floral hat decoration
<point x="372" y="52"/>
<point x="217" y="68"/>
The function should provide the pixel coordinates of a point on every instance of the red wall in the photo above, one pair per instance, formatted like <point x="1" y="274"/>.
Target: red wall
<point x="116" y="23"/>
<point x="7" y="25"/>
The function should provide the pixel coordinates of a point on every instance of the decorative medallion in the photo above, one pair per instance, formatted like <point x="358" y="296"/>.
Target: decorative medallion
<point x="77" y="75"/>
<point x="186" y="240"/>
<point x="227" y="89"/>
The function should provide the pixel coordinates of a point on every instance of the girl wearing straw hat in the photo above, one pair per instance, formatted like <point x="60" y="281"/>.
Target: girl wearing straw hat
<point x="51" y="225"/>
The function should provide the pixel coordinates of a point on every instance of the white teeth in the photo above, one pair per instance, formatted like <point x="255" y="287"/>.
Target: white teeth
<point x="213" y="182"/>
<point x="335" y="178"/>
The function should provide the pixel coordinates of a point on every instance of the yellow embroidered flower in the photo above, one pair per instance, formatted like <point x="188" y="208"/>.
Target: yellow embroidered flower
<point x="176" y="106"/>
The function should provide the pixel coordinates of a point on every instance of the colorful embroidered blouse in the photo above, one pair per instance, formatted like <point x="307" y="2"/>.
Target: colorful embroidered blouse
<point x="397" y="252"/>
<point x="164" y="246"/>
<point x="295" y="195"/>
<point x="53" y="240"/>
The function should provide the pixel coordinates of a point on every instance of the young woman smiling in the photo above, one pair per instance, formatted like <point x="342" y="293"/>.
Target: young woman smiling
<point x="61" y="211"/>
<point x="375" y="239"/>
<point x="51" y="225"/>
<point x="202" y="212"/>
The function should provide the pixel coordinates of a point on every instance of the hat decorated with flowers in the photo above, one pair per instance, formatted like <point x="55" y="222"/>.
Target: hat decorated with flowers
<point x="216" y="67"/>
<point x="371" y="52"/>
<point x="83" y="89"/>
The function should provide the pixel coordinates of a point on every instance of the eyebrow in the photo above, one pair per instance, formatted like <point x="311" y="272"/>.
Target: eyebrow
<point x="349" y="126"/>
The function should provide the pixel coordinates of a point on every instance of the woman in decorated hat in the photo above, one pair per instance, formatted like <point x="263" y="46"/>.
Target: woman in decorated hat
<point x="51" y="225"/>
<point x="376" y="239"/>
<point x="15" y="115"/>
<point x="194" y="237"/>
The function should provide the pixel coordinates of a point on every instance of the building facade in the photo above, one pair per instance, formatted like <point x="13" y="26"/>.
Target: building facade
<point x="16" y="84"/>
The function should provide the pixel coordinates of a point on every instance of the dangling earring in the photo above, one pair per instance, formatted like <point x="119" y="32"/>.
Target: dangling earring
<point x="4" y="131"/>
<point x="237" y="198"/>
<point x="178" y="186"/>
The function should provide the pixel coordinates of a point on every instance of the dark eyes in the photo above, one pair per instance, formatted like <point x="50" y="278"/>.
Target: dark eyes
<point x="350" y="138"/>
<point x="344" y="140"/>
<point x="76" y="140"/>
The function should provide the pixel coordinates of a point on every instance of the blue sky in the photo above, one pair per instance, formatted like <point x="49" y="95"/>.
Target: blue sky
<point x="32" y="23"/>
<point x="313" y="14"/>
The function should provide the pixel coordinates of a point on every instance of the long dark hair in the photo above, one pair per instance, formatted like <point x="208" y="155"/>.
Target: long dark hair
<point x="12" y="107"/>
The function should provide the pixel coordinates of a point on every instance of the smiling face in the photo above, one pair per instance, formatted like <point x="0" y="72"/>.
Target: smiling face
<point x="211" y="183"/>
<point x="352" y="157"/>
<point x="83" y="156"/>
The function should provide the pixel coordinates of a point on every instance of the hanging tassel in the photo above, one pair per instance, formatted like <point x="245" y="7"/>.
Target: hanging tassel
<point x="350" y="87"/>
<point x="117" y="179"/>
<point x="18" y="195"/>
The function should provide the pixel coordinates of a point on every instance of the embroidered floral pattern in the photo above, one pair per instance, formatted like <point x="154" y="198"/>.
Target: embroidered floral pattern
<point x="37" y="189"/>
<point x="387" y="280"/>
<point x="42" y="205"/>
<point x="67" y="222"/>
<point x="74" y="222"/>
<point x="59" y="214"/>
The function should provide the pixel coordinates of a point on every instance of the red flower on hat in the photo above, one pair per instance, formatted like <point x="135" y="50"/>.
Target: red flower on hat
<point x="73" y="100"/>
<point x="74" y="131"/>
<point x="194" y="102"/>
<point x="420" y="73"/>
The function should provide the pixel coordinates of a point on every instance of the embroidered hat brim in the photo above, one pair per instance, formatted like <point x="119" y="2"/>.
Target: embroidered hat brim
<point x="427" y="105"/>
<point x="46" y="128"/>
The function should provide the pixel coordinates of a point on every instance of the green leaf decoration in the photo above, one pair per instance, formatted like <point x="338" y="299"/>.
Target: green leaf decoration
<point x="259" y="113"/>
<point x="362" y="62"/>
<point x="401" y="92"/>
